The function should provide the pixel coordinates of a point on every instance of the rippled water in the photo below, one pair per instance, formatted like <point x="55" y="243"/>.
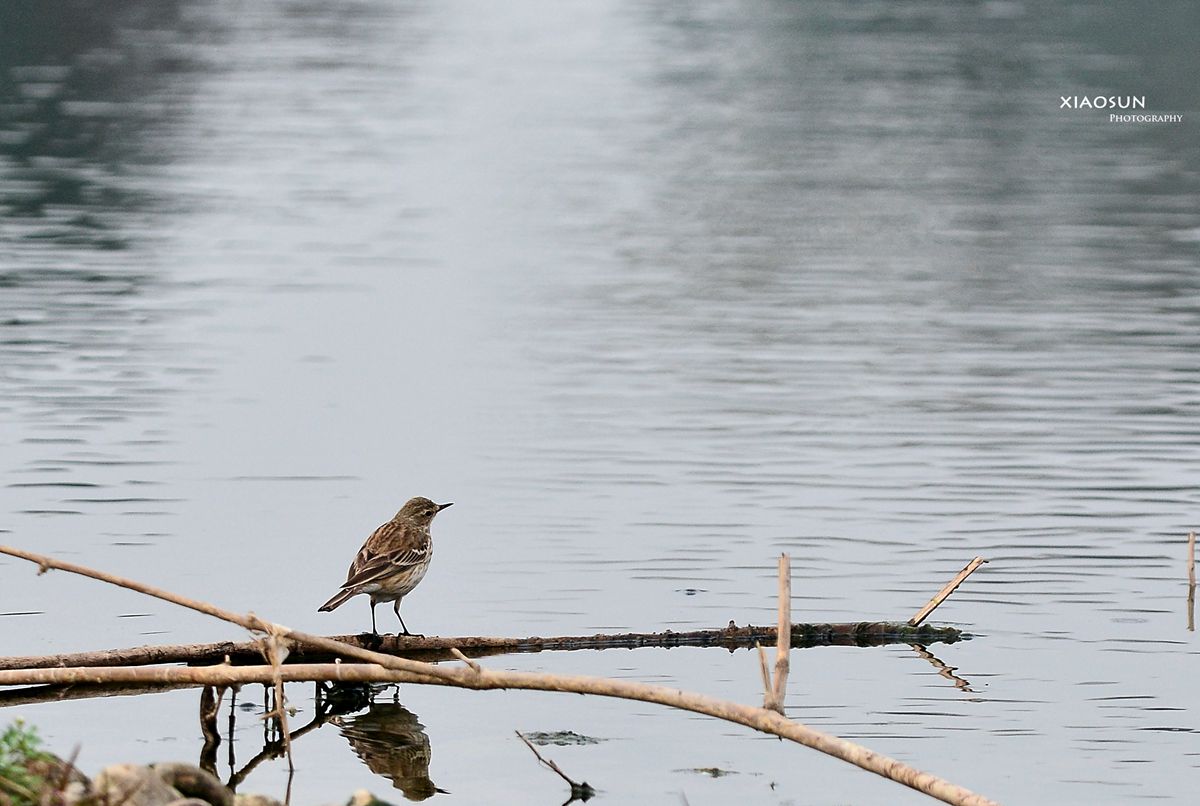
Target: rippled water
<point x="652" y="292"/>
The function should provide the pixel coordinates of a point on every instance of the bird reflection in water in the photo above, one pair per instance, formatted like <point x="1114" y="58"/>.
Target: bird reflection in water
<point x="393" y="743"/>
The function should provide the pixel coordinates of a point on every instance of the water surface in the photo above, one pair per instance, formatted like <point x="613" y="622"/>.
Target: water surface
<point x="653" y="294"/>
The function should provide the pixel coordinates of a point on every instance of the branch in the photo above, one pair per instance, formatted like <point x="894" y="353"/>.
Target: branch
<point x="766" y="674"/>
<point x="945" y="592"/>
<point x="582" y="791"/>
<point x="249" y="621"/>
<point x="431" y="648"/>
<point x="757" y="718"/>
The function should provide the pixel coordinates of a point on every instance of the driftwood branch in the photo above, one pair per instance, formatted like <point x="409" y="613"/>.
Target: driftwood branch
<point x="386" y="668"/>
<point x="945" y="592"/>
<point x="432" y="648"/>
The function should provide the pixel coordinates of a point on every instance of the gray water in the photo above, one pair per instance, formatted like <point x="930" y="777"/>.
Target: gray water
<point x="653" y="292"/>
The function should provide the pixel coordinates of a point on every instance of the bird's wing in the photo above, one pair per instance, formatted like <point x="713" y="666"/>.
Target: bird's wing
<point x="372" y="567"/>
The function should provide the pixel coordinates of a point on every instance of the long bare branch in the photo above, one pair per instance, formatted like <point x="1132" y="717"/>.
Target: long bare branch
<point x="757" y="718"/>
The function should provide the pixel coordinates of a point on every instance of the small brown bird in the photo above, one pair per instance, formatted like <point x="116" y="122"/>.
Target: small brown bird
<point x="393" y="560"/>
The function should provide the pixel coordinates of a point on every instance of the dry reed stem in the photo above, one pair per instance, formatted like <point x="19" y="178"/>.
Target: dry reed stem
<point x="402" y="670"/>
<point x="1191" y="569"/>
<point x="783" y="639"/>
<point x="1191" y="608"/>
<point x="945" y="592"/>
<point x="1191" y="559"/>
<point x="766" y="673"/>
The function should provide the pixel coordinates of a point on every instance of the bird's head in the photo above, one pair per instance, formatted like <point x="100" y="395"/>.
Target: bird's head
<point x="420" y="510"/>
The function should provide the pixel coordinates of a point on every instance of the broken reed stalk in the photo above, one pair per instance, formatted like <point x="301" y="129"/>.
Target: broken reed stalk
<point x="945" y="592"/>
<point x="392" y="669"/>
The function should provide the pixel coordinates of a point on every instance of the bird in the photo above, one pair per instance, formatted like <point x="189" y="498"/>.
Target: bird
<point x="392" y="561"/>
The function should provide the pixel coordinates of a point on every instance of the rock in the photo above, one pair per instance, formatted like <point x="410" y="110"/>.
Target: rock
<point x="255" y="800"/>
<point x="133" y="785"/>
<point x="169" y="784"/>
<point x="362" y="797"/>
<point x="194" y="783"/>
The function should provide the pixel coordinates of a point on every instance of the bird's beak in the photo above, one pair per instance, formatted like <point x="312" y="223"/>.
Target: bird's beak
<point x="443" y="506"/>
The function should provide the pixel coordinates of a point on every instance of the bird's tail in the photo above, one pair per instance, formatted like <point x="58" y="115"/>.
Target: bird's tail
<point x="336" y="601"/>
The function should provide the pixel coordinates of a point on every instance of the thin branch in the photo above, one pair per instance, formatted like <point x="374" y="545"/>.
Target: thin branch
<point x="403" y="670"/>
<point x="945" y="592"/>
<point x="582" y="791"/>
<point x="249" y="621"/>
<point x="465" y="659"/>
<point x="765" y="669"/>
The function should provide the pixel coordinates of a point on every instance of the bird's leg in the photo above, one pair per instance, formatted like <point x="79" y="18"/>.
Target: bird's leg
<point x="373" y="630"/>
<point x="396" y="607"/>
